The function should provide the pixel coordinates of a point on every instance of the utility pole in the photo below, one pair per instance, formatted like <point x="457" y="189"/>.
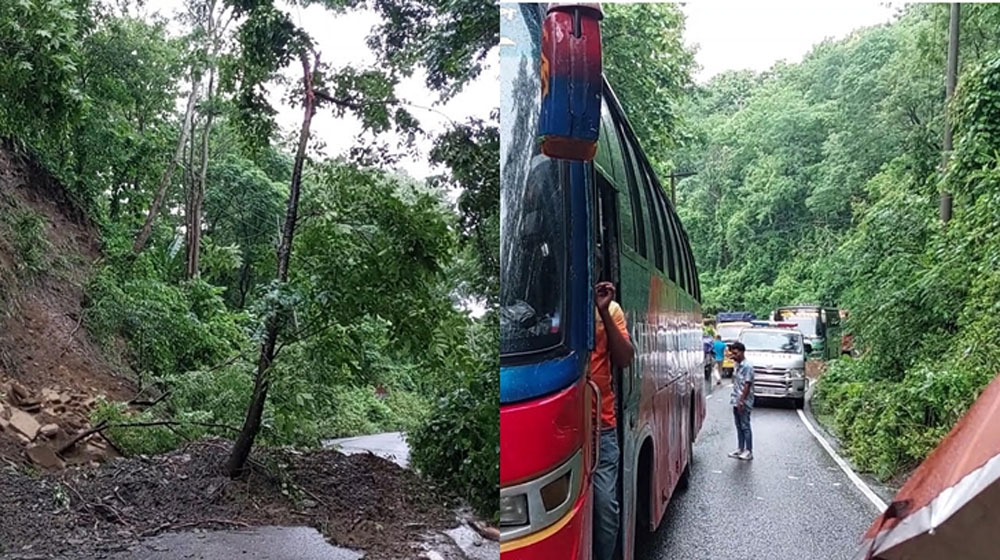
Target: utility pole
<point x="945" y="206"/>
<point x="673" y="183"/>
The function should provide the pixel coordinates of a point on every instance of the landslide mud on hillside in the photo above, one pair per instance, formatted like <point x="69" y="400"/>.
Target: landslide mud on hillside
<point x="50" y="369"/>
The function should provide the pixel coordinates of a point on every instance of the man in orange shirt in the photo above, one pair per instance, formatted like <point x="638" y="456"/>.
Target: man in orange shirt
<point x="612" y="349"/>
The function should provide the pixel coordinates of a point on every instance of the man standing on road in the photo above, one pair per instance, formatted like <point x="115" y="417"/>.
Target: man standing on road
<point x="719" y="351"/>
<point x="707" y="353"/>
<point x="742" y="401"/>
<point x="612" y="349"/>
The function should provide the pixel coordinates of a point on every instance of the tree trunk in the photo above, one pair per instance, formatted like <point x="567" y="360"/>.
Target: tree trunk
<point x="168" y="173"/>
<point x="951" y="76"/>
<point x="236" y="465"/>
<point x="245" y="281"/>
<point x="198" y="193"/>
<point x="189" y="186"/>
<point x="198" y="190"/>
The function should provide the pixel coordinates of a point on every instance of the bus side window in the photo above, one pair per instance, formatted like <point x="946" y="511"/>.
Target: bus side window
<point x="690" y="267"/>
<point x="639" y="192"/>
<point x="606" y="156"/>
<point x="670" y="231"/>
<point x="656" y="203"/>
<point x="677" y="246"/>
<point x="694" y="272"/>
<point x="632" y="234"/>
<point x="685" y="249"/>
<point x="833" y="317"/>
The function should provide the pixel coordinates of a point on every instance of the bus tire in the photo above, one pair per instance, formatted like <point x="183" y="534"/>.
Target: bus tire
<point x="643" y="491"/>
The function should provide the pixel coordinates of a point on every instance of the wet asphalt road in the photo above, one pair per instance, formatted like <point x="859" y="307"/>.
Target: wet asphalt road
<point x="790" y="502"/>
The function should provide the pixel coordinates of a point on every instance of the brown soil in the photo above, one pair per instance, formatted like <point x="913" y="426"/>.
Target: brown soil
<point x="358" y="501"/>
<point x="815" y="369"/>
<point x="43" y="344"/>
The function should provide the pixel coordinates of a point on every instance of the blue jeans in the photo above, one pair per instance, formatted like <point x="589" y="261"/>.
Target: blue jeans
<point x="743" y="432"/>
<point x="606" y="496"/>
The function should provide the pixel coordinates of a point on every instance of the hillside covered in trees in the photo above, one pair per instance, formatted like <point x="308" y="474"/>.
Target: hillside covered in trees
<point x="214" y="274"/>
<point x="819" y="182"/>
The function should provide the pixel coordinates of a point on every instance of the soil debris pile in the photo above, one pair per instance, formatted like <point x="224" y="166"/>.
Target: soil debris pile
<point x="357" y="501"/>
<point x="44" y="425"/>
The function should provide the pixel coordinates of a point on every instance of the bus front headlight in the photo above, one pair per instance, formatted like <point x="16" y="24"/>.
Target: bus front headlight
<point x="533" y="505"/>
<point x="513" y="510"/>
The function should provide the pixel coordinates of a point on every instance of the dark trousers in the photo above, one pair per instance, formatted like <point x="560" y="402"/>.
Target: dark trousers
<point x="606" y="497"/>
<point x="743" y="433"/>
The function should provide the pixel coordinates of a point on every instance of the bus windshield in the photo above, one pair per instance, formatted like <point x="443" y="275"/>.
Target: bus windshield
<point x="532" y="198"/>
<point x="729" y="332"/>
<point x="806" y="320"/>
<point x="771" y="341"/>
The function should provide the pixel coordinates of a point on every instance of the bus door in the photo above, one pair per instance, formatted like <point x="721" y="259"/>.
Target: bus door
<point x="606" y="238"/>
<point x="607" y="245"/>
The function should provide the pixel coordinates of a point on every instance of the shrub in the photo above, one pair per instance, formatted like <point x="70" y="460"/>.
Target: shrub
<point x="459" y="444"/>
<point x="168" y="328"/>
<point x="26" y="231"/>
<point x="355" y="411"/>
<point x="144" y="440"/>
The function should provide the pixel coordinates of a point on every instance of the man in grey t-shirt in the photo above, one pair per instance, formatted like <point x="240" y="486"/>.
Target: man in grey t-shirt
<point x="742" y="401"/>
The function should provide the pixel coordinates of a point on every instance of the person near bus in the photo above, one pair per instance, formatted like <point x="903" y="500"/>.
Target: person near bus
<point x="707" y="358"/>
<point x="612" y="349"/>
<point x="719" y="351"/>
<point x="741" y="400"/>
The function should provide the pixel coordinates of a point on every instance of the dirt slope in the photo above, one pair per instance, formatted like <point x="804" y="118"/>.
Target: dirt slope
<point x="48" y="251"/>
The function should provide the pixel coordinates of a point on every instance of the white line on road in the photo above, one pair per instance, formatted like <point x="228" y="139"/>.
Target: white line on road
<point x="872" y="497"/>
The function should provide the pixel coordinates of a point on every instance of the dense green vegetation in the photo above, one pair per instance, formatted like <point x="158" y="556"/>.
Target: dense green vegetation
<point x="168" y="141"/>
<point x="819" y="182"/>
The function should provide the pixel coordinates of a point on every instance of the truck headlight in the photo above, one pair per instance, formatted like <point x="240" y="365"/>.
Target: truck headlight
<point x="797" y="372"/>
<point x="513" y="510"/>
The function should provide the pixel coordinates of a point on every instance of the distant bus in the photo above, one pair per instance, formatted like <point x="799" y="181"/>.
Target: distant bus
<point x="819" y="325"/>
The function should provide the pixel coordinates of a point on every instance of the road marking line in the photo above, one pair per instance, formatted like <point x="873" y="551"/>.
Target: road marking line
<point x="872" y="497"/>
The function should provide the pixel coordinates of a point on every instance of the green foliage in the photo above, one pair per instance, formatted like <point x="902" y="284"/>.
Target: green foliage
<point x="460" y="444"/>
<point x="170" y="328"/>
<point x="214" y="395"/>
<point x="449" y="38"/>
<point x="356" y="411"/>
<point x="38" y="90"/>
<point x="128" y="75"/>
<point x="25" y="231"/>
<point x="269" y="42"/>
<point x="372" y="247"/>
<point x="888" y="426"/>
<point x="650" y="68"/>
<point x="471" y="151"/>
<point x="136" y="440"/>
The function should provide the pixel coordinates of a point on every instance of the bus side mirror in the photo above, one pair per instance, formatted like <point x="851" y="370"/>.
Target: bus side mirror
<point x="570" y="117"/>
<point x="808" y="348"/>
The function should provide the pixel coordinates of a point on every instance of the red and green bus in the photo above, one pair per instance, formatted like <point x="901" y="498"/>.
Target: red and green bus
<point x="556" y="215"/>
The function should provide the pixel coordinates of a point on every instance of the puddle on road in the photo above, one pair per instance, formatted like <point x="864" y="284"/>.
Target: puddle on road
<point x="259" y="543"/>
